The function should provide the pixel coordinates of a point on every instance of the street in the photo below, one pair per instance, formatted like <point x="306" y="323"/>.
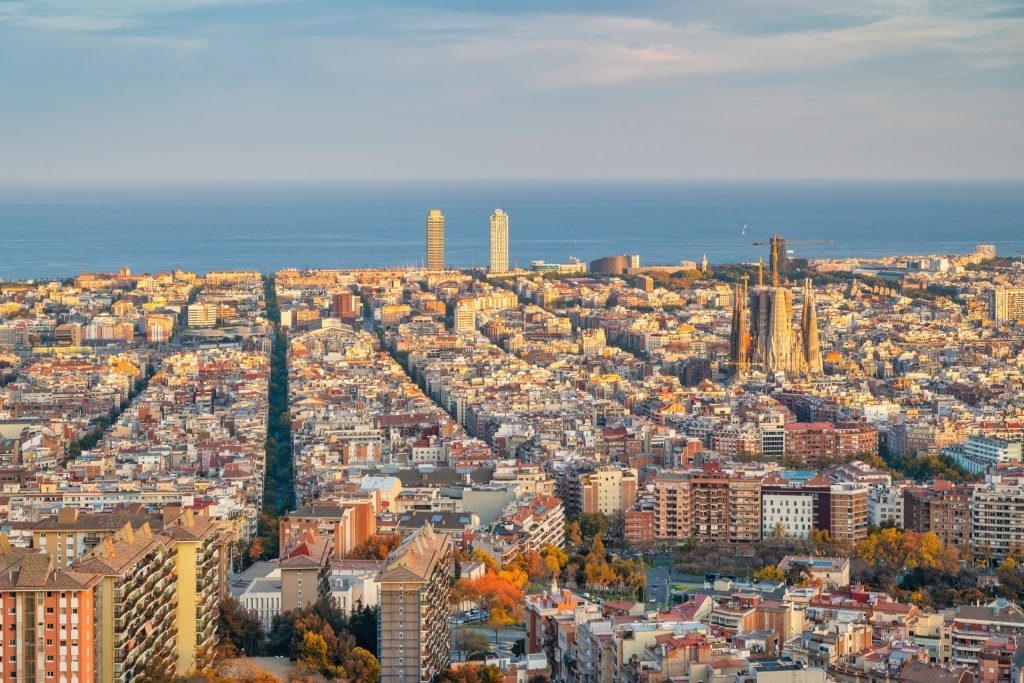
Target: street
<point x="659" y="587"/>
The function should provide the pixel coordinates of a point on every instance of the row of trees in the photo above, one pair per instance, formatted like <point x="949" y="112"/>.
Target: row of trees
<point x="279" y="490"/>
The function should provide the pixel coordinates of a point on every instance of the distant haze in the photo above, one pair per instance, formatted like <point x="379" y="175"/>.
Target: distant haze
<point x="268" y="226"/>
<point x="336" y="89"/>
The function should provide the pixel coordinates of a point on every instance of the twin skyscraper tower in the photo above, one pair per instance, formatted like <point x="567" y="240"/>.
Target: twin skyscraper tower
<point x="499" y="241"/>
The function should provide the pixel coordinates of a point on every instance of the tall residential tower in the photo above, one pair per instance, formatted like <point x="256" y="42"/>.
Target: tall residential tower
<point x="499" y="242"/>
<point x="435" y="240"/>
<point x="413" y="636"/>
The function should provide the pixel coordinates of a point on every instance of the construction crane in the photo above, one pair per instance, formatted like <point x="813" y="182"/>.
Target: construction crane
<point x="777" y="245"/>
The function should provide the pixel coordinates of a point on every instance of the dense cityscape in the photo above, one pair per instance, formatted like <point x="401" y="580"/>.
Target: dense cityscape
<point x="787" y="471"/>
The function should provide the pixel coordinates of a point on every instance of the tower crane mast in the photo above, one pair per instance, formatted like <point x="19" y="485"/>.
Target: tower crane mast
<point x="777" y="252"/>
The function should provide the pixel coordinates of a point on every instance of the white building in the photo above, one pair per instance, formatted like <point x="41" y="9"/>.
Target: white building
<point x="789" y="512"/>
<point x="885" y="503"/>
<point x="354" y="583"/>
<point x="258" y="589"/>
<point x="979" y="453"/>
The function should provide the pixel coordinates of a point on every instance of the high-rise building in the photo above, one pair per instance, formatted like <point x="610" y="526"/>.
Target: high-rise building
<point x="435" y="240"/>
<point x="136" y="604"/>
<point x="200" y="556"/>
<point x="1006" y="304"/>
<point x="849" y="512"/>
<point x="39" y="600"/>
<point x="413" y="635"/>
<point x="499" y="242"/>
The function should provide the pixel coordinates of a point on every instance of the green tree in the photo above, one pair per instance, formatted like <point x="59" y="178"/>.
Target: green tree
<point x="592" y="524"/>
<point x="362" y="623"/>
<point x="797" y="573"/>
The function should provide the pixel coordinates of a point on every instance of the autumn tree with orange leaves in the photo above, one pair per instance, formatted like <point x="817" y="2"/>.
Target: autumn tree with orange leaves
<point x="376" y="547"/>
<point x="500" y="593"/>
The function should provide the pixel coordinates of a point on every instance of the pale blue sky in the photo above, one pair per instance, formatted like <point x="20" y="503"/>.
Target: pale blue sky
<point x="275" y="89"/>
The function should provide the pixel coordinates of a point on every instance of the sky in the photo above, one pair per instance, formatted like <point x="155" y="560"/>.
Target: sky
<point x="151" y="90"/>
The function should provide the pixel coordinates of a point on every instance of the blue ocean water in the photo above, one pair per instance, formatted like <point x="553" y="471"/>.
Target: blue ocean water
<point x="62" y="231"/>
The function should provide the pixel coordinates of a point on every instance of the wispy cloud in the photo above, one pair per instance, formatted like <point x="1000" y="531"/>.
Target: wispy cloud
<point x="573" y="50"/>
<point x="71" y="22"/>
<point x="182" y="46"/>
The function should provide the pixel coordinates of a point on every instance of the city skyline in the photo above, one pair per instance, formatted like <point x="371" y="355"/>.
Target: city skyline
<point x="261" y="89"/>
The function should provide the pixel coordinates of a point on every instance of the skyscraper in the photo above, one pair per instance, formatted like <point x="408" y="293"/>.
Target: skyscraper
<point x="499" y="242"/>
<point x="435" y="240"/>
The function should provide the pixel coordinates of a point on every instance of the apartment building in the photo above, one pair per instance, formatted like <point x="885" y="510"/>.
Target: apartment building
<point x="71" y="534"/>
<point x="413" y="635"/>
<point x="47" y="619"/>
<point x="200" y="554"/>
<point x="943" y="508"/>
<point x="712" y="506"/>
<point x="345" y="526"/>
<point x="305" y="572"/>
<point x="974" y="626"/>
<point x="786" y="509"/>
<point x="997" y="518"/>
<point x="848" y="512"/>
<point x="135" y="604"/>
<point x="608" y="490"/>
<point x="673" y="519"/>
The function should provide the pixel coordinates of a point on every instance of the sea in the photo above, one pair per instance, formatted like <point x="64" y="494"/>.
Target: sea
<point x="49" y="231"/>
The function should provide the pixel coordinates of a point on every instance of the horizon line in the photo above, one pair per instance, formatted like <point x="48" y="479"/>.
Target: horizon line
<point x="22" y="182"/>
